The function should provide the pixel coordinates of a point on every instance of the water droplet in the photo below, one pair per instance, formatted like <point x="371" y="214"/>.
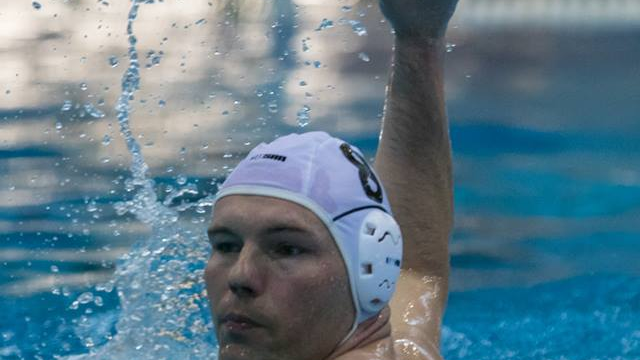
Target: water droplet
<point x="106" y="140"/>
<point x="8" y="92"/>
<point x="325" y="24"/>
<point x="162" y="103"/>
<point x="226" y="112"/>
<point x="316" y="64"/>
<point x="54" y="269"/>
<point x="450" y="47"/>
<point x="66" y="106"/>
<point x="85" y="298"/>
<point x="364" y="57"/>
<point x="113" y="61"/>
<point x="346" y="8"/>
<point x="58" y="125"/>
<point x="83" y="86"/>
<point x="305" y="45"/>
<point x="181" y="179"/>
<point x="302" y="83"/>
<point x="154" y="58"/>
<point x="92" y="207"/>
<point x="358" y="28"/>
<point x="106" y="287"/>
<point x="93" y="111"/>
<point x="273" y="106"/>
<point x="201" y="22"/>
<point x="227" y="155"/>
<point x="36" y="5"/>
<point x="303" y="116"/>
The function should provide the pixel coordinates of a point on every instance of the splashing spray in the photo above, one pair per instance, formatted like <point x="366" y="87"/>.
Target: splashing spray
<point x="163" y="308"/>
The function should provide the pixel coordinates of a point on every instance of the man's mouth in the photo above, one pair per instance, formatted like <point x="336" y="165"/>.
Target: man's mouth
<point x="238" y="322"/>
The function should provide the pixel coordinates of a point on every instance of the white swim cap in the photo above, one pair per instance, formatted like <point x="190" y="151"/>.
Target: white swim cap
<point x="332" y="179"/>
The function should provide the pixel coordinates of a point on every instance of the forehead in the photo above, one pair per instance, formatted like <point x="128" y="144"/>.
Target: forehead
<point x="252" y="212"/>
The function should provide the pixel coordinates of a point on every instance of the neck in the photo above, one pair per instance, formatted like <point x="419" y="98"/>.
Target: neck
<point x="369" y="331"/>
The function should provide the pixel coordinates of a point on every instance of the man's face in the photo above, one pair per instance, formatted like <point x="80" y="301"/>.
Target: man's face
<point x="276" y="282"/>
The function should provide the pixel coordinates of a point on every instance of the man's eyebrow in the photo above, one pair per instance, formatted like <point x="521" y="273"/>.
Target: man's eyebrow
<point x="217" y="230"/>
<point x="278" y="228"/>
<point x="271" y="230"/>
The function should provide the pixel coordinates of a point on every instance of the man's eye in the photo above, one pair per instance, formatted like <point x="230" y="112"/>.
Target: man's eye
<point x="289" y="250"/>
<point x="226" y="247"/>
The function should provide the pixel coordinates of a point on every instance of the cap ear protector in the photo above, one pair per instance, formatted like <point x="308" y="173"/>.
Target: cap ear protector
<point x="379" y="260"/>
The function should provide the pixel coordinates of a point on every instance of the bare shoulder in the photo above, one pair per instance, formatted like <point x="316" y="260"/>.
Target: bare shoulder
<point x="391" y="348"/>
<point x="416" y="316"/>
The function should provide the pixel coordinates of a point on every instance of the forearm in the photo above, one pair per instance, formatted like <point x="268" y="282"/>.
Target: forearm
<point x="414" y="154"/>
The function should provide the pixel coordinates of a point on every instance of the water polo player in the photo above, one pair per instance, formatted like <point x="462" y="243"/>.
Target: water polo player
<point x="313" y="257"/>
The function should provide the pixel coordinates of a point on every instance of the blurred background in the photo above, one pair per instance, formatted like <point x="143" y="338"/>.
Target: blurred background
<point x="543" y="98"/>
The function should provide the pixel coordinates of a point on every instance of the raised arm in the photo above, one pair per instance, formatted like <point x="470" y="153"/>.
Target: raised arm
<point x="414" y="161"/>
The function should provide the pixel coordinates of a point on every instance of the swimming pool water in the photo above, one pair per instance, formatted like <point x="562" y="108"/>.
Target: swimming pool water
<point x="572" y="296"/>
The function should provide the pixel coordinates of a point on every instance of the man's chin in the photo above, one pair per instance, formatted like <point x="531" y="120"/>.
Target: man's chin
<point x="239" y="351"/>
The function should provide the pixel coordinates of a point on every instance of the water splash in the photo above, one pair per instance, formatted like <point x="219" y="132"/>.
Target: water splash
<point x="163" y="309"/>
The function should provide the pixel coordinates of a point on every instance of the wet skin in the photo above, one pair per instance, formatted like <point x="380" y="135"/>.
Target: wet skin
<point x="275" y="262"/>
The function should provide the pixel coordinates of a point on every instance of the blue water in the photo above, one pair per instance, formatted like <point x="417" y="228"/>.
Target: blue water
<point x="544" y="254"/>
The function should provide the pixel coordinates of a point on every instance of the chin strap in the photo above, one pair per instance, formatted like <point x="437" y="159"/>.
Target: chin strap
<point x="352" y="331"/>
<point x="375" y="328"/>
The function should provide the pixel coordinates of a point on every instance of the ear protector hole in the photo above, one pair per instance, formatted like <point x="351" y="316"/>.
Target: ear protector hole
<point x="367" y="268"/>
<point x="395" y="262"/>
<point x="370" y="229"/>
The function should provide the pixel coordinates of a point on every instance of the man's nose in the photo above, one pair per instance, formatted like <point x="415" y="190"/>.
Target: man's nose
<point x="246" y="279"/>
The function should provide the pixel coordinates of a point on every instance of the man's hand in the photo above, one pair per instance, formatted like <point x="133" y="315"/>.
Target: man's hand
<point x="418" y="19"/>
